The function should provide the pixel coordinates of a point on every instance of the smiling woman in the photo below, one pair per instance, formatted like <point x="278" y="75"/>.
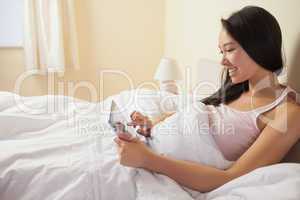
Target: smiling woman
<point x="249" y="48"/>
<point x="250" y="100"/>
<point x="63" y="148"/>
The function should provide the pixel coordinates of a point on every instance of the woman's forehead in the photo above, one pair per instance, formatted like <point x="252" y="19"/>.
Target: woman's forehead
<point x="225" y="38"/>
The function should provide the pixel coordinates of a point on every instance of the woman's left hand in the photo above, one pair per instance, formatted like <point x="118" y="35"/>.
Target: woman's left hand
<point x="132" y="152"/>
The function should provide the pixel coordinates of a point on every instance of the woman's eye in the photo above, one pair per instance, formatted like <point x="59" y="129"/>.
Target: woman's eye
<point x="229" y="50"/>
<point x="226" y="50"/>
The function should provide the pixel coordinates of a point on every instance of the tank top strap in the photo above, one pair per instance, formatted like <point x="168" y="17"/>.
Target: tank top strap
<point x="260" y="110"/>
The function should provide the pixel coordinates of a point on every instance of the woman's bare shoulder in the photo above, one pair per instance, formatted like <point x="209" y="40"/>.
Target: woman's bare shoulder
<point x="289" y="112"/>
<point x="292" y="99"/>
<point x="293" y="111"/>
<point x="293" y="102"/>
<point x="290" y="106"/>
<point x="287" y="115"/>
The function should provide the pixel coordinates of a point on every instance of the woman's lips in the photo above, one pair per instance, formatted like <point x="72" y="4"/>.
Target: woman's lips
<point x="232" y="71"/>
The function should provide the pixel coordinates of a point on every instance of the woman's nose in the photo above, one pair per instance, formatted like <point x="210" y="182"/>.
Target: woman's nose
<point x="224" y="60"/>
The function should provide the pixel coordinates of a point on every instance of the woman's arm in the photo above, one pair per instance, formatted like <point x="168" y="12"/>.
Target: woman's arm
<point x="134" y="153"/>
<point x="192" y="175"/>
<point x="270" y="147"/>
<point x="273" y="143"/>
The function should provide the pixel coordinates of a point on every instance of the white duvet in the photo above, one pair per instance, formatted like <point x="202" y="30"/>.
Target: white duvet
<point x="56" y="147"/>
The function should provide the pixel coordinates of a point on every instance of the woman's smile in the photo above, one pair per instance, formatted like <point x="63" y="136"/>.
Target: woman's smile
<point x="233" y="71"/>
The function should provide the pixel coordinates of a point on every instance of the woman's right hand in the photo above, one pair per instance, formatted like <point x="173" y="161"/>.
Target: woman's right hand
<point x="143" y="123"/>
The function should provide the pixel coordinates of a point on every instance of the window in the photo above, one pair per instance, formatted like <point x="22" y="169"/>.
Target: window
<point x="11" y="23"/>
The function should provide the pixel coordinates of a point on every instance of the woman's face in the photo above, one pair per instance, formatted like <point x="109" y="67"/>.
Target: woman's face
<point x="241" y="67"/>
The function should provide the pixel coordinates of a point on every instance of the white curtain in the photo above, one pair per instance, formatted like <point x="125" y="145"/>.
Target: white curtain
<point x="50" y="39"/>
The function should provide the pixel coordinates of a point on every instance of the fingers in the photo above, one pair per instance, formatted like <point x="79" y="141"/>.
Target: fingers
<point x="144" y="129"/>
<point x="121" y="142"/>
<point x="137" y="119"/>
<point x="134" y="124"/>
<point x="125" y="136"/>
<point x="133" y="113"/>
<point x="137" y="116"/>
<point x="141" y="132"/>
<point x="144" y="132"/>
<point x="143" y="123"/>
<point x="118" y="141"/>
<point x="135" y="139"/>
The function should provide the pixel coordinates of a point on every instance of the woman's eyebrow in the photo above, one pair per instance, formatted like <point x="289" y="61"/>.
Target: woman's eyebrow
<point x="228" y="43"/>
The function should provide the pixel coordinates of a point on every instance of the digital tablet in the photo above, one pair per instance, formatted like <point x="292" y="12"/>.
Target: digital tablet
<point x="118" y="122"/>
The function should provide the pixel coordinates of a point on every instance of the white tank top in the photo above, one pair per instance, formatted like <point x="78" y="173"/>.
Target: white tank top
<point x="235" y="131"/>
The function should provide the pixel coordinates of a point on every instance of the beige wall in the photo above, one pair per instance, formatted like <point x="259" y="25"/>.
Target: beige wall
<point x="192" y="29"/>
<point x="132" y="35"/>
<point x="113" y="34"/>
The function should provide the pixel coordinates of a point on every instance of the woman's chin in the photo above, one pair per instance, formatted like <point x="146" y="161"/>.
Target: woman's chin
<point x="235" y="80"/>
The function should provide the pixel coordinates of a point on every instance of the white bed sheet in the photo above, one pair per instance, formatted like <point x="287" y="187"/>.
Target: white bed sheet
<point x="56" y="147"/>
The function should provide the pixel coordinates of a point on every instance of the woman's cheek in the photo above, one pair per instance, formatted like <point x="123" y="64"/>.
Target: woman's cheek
<point x="235" y="57"/>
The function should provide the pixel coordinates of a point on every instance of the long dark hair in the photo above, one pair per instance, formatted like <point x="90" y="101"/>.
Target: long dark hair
<point x="259" y="34"/>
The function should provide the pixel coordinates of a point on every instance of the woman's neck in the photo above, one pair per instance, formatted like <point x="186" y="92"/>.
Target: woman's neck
<point x="264" y="82"/>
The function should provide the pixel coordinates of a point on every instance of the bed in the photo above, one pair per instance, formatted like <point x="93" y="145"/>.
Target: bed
<point x="58" y="147"/>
